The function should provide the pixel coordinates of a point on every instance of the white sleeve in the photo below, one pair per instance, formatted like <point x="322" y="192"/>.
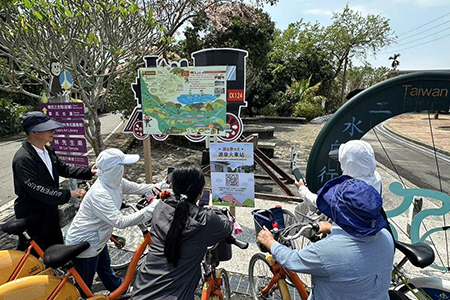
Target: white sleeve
<point x="129" y="187"/>
<point x="307" y="195"/>
<point x="104" y="208"/>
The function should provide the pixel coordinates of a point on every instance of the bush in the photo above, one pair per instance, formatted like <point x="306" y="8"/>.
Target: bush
<point x="269" y="110"/>
<point x="10" y="117"/>
<point x="308" y="110"/>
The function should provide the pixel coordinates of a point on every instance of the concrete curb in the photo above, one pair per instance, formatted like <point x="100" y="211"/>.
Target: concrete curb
<point x="394" y="132"/>
<point x="264" y="120"/>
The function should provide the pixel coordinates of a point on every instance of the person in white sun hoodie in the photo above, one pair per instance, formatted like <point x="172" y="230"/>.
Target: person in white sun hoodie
<point x="100" y="212"/>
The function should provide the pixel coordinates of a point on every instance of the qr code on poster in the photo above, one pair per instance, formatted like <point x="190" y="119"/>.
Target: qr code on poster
<point x="231" y="180"/>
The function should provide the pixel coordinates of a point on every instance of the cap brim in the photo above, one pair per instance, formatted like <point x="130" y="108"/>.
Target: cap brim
<point x="130" y="159"/>
<point x="46" y="126"/>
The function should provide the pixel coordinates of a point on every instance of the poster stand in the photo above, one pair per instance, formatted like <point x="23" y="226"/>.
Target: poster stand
<point x="275" y="173"/>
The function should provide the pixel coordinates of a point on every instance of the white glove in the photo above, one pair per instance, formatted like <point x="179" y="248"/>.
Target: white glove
<point x="148" y="210"/>
<point x="163" y="185"/>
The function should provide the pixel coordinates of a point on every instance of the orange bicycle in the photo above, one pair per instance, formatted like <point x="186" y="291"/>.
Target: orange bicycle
<point x="216" y="282"/>
<point x="16" y="264"/>
<point x="268" y="279"/>
<point x="46" y="287"/>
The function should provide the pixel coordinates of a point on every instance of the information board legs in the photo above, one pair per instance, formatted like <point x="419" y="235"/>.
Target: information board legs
<point x="148" y="160"/>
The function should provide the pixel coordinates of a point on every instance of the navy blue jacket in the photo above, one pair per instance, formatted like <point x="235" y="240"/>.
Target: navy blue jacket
<point x="38" y="194"/>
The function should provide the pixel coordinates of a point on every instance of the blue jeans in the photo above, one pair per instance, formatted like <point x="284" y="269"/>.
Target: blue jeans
<point x="101" y="264"/>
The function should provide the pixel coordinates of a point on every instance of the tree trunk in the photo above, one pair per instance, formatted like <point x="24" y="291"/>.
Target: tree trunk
<point x="93" y="131"/>
<point x="344" y="81"/>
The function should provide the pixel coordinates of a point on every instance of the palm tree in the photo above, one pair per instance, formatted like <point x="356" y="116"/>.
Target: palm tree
<point x="395" y="62"/>
<point x="303" y="91"/>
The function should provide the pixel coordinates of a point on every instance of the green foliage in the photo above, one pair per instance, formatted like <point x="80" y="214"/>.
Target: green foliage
<point x="121" y="99"/>
<point x="308" y="110"/>
<point x="10" y="117"/>
<point x="303" y="99"/>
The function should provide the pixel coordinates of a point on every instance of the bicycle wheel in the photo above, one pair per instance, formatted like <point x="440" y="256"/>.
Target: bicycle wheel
<point x="226" y="288"/>
<point x="301" y="243"/>
<point x="260" y="273"/>
<point x="130" y="237"/>
<point x="430" y="293"/>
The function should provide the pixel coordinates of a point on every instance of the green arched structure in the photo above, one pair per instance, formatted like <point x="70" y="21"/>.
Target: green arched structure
<point x="407" y="93"/>
<point x="414" y="92"/>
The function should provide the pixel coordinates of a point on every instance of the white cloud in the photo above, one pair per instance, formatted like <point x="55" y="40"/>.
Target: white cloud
<point x="362" y="9"/>
<point x="319" y="12"/>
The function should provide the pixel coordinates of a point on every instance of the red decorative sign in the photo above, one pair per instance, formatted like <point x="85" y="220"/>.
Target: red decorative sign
<point x="235" y="95"/>
<point x="138" y="130"/>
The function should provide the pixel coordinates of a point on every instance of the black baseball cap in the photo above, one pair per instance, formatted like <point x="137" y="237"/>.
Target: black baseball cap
<point x="37" y="121"/>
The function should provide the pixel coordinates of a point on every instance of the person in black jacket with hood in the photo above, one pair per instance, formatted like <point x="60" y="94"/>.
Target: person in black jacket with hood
<point x="36" y="170"/>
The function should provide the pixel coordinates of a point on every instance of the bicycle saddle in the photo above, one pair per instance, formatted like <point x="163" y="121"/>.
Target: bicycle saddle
<point x="15" y="227"/>
<point x="58" y="255"/>
<point x="420" y="254"/>
<point x="18" y="226"/>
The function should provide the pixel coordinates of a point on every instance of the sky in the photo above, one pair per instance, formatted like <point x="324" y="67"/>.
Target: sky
<point x="404" y="15"/>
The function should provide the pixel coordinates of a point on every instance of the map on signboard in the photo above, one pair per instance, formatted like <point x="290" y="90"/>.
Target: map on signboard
<point x="184" y="101"/>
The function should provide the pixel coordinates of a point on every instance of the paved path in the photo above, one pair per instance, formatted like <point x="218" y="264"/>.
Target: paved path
<point x="416" y="164"/>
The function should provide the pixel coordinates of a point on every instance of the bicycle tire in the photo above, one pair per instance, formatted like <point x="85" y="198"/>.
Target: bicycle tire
<point x="255" y="286"/>
<point x="226" y="287"/>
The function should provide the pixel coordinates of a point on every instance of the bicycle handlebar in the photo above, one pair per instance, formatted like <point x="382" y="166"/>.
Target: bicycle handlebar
<point x="284" y="233"/>
<point x="233" y="241"/>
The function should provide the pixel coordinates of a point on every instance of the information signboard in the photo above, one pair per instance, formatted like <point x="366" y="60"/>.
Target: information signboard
<point x="184" y="101"/>
<point x="232" y="178"/>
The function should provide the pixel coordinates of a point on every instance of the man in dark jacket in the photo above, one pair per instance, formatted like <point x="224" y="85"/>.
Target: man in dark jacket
<point x="36" y="170"/>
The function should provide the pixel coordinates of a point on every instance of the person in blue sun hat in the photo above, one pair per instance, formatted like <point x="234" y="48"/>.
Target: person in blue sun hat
<point x="353" y="205"/>
<point x="355" y="260"/>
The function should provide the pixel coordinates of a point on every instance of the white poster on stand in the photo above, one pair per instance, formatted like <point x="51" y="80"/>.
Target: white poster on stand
<point x="232" y="178"/>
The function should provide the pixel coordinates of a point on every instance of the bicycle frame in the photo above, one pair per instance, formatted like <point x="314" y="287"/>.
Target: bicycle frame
<point x="126" y="282"/>
<point x="27" y="263"/>
<point x="22" y="262"/>
<point x="280" y="273"/>
<point x="212" y="285"/>
<point x="415" y="285"/>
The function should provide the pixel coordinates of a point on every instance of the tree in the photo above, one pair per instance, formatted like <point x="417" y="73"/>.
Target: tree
<point x="363" y="77"/>
<point x="235" y="25"/>
<point x="395" y="62"/>
<point x="94" y="40"/>
<point x="353" y="36"/>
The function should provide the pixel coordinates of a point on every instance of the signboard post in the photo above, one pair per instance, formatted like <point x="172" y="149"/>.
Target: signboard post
<point x="69" y="142"/>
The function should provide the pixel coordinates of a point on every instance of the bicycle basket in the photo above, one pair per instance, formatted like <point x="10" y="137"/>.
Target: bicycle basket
<point x="303" y="211"/>
<point x="265" y="217"/>
<point x="222" y="252"/>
